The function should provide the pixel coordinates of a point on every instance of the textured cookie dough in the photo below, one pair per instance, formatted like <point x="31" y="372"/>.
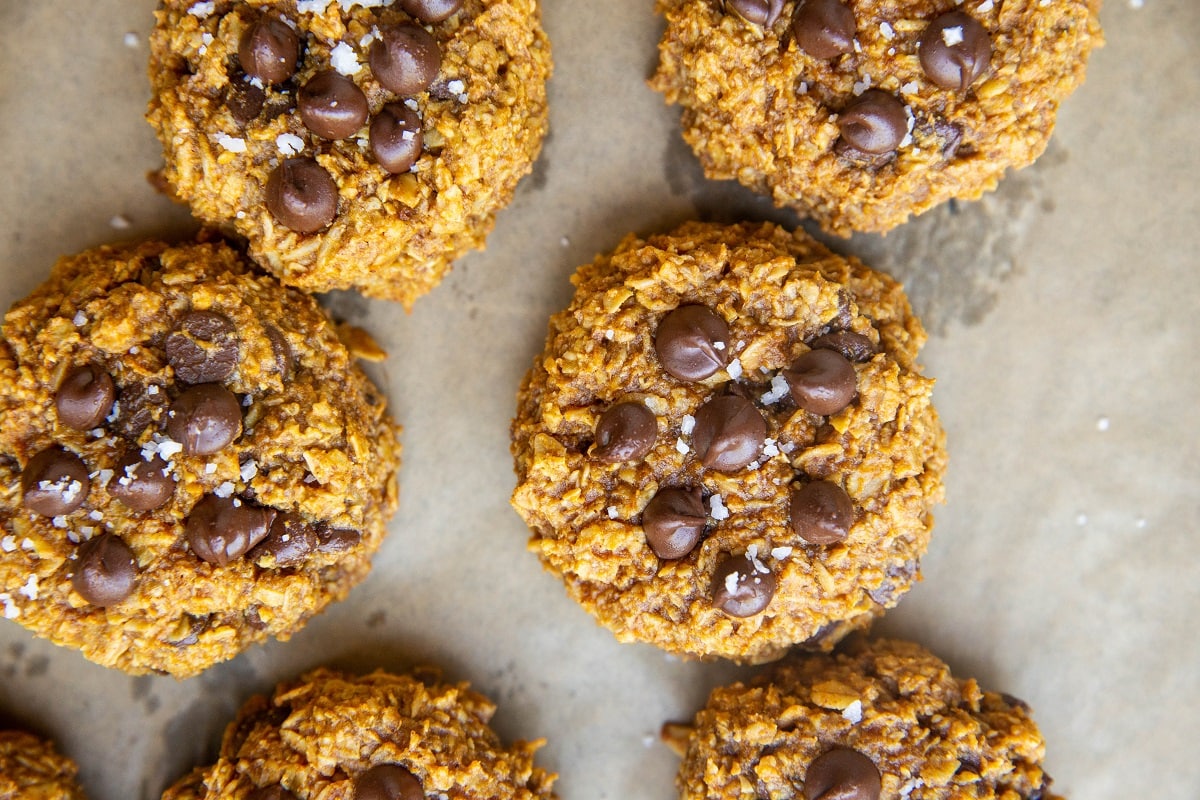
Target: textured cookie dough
<point x="925" y="734"/>
<point x="376" y="737"/>
<point x="474" y="131"/>
<point x="761" y="109"/>
<point x="882" y="454"/>
<point x="219" y="469"/>
<point x="32" y="769"/>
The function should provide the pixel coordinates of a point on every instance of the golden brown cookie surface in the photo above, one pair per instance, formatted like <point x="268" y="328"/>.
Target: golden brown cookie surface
<point x="834" y="108"/>
<point x="779" y="492"/>
<point x="191" y="460"/>
<point x="32" y="769"/>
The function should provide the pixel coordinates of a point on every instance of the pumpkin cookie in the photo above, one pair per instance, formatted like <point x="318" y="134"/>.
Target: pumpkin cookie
<point x="727" y="446"/>
<point x="32" y="769"/>
<point x="190" y="459"/>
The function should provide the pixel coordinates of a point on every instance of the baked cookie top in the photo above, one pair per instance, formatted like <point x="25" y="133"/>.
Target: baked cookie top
<point x="32" y="769"/>
<point x="860" y="113"/>
<point x="884" y="719"/>
<point x="727" y="446"/>
<point x="190" y="460"/>
<point x="353" y="144"/>
<point x="375" y="737"/>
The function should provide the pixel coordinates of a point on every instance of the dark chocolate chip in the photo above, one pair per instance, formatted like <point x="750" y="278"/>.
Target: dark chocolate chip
<point x="269" y="50"/>
<point x="188" y="629"/>
<point x="275" y="792"/>
<point x="288" y="543"/>
<point x="822" y="381"/>
<point x="1014" y="701"/>
<point x="285" y="361"/>
<point x="204" y="419"/>
<point x="85" y="397"/>
<point x="431" y="10"/>
<point x="140" y="484"/>
<point x="821" y="512"/>
<point x="332" y="105"/>
<point x="874" y="122"/>
<point x="740" y="588"/>
<point x="853" y="346"/>
<point x="625" y="432"/>
<point x="842" y="774"/>
<point x="729" y="433"/>
<point x="244" y="101"/>
<point x="54" y="482"/>
<point x="824" y="28"/>
<point x="396" y="137"/>
<point x="203" y="348"/>
<point x="762" y="13"/>
<point x="405" y="59"/>
<point x="106" y="570"/>
<point x="302" y="195"/>
<point x="951" y="134"/>
<point x="861" y="160"/>
<point x="955" y="50"/>
<point x="899" y="579"/>
<point x="223" y="529"/>
<point x="673" y="522"/>
<point x="388" y="782"/>
<point x="692" y="343"/>
<point x="335" y="541"/>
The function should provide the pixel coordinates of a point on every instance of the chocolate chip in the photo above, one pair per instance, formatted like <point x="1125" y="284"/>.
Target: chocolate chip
<point x="954" y="50"/>
<point x="187" y="630"/>
<point x="269" y="50"/>
<point x="824" y="28"/>
<point x="388" y="782"/>
<point x="821" y="512"/>
<point x="729" y="433"/>
<point x="288" y="543"/>
<point x="204" y="419"/>
<point x="740" y="588"/>
<point x="106" y="571"/>
<point x="244" y="101"/>
<point x="1014" y="701"/>
<point x="874" y="122"/>
<point x="85" y="397"/>
<point x="673" y="522"/>
<point x="302" y="195"/>
<point x="762" y="13"/>
<point x="284" y="359"/>
<point x="431" y="10"/>
<point x="405" y="59"/>
<point x="692" y="343"/>
<point x="140" y="484"/>
<point x="853" y="346"/>
<point x="625" y="432"/>
<point x="223" y="529"/>
<point x="275" y="792"/>
<point x="822" y="381"/>
<point x="842" y="774"/>
<point x="899" y="578"/>
<point x="54" y="482"/>
<point x="332" y="105"/>
<point x="335" y="541"/>
<point x="203" y="348"/>
<point x="396" y="137"/>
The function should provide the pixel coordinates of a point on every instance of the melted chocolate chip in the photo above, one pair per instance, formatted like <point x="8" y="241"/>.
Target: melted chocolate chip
<point x="269" y="50"/>
<point x="388" y="782"/>
<point x="332" y="105"/>
<point x="824" y="28"/>
<point x="431" y="10"/>
<point x="740" y="589"/>
<point x="729" y="433"/>
<point x="762" y="13"/>
<point x="285" y="361"/>
<point x="85" y="397"/>
<point x="204" y="419"/>
<point x="141" y="485"/>
<point x="874" y="122"/>
<point x="335" y="541"/>
<point x="223" y="529"/>
<point x="692" y="343"/>
<point x="54" y="482"/>
<point x="203" y="348"/>
<point x="955" y="50"/>
<point x="405" y="59"/>
<point x="275" y="792"/>
<point x="302" y="195"/>
<point x="396" y="137"/>
<point x="288" y="543"/>
<point x="106" y="571"/>
<point x="821" y="512"/>
<point x="673" y="522"/>
<point x="625" y="432"/>
<point x="842" y="774"/>
<point x="853" y="346"/>
<point x="822" y="381"/>
<point x="244" y="101"/>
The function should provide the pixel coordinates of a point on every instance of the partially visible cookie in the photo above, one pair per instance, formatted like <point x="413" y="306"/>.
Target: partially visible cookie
<point x="375" y="737"/>
<point x="353" y="144"/>
<point x="884" y="719"/>
<point x="32" y="769"/>
<point x="727" y="447"/>
<point x="860" y="113"/>
<point x="190" y="460"/>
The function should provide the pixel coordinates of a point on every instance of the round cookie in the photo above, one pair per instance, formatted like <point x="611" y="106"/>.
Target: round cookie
<point x="353" y="144"/>
<point x="376" y="737"/>
<point x="859" y="113"/>
<point x="880" y="719"/>
<point x="32" y="769"/>
<point x="190" y="459"/>
<point x="727" y="447"/>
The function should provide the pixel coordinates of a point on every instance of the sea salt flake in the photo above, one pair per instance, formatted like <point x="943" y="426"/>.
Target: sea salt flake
<point x="735" y="369"/>
<point x="681" y="446"/>
<point x="249" y="470"/>
<point x="780" y="553"/>
<point x="168" y="449"/>
<point x="120" y="222"/>
<point x="80" y="319"/>
<point x="343" y="59"/>
<point x="289" y="144"/>
<point x="95" y="516"/>
<point x="779" y="390"/>
<point x="985" y="6"/>
<point x="408" y="136"/>
<point x="132" y="40"/>
<point x="311" y="6"/>
<point x="1081" y="520"/>
<point x="909" y="88"/>
<point x="718" y="345"/>
<point x="770" y="448"/>
<point x="27" y="544"/>
<point x="96" y="433"/>
<point x="412" y="104"/>
<point x="8" y="544"/>
<point x="1102" y="424"/>
<point x="456" y="86"/>
<point x="10" y="610"/>
<point x="717" y="509"/>
<point x="231" y="143"/>
<point x="787" y="447"/>
<point x="609" y="335"/>
<point x="861" y="86"/>
<point x="687" y="424"/>
<point x="210" y="468"/>
<point x="887" y="31"/>
<point x="1132" y="3"/>
<point x="731" y="582"/>
<point x="104" y="476"/>
<point x="203" y="10"/>
<point x="152" y="389"/>
<point x="224" y="490"/>
<point x="853" y="712"/>
<point x="952" y="36"/>
<point x="612" y="512"/>
<point x="59" y="522"/>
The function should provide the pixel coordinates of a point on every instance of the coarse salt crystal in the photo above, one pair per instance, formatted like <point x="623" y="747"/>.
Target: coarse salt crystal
<point x="96" y="516"/>
<point x="79" y="319"/>
<point x="456" y="86"/>
<point x="887" y="31"/>
<point x="770" y="448"/>
<point x="985" y="6"/>
<point x="131" y="39"/>
<point x="8" y="544"/>
<point x="231" y="143"/>
<point x="912" y="121"/>
<point x="687" y="424"/>
<point x="256" y="82"/>
<point x="224" y="490"/>
<point x="289" y="144"/>
<point x="612" y="512"/>
<point x="27" y="544"/>
<point x="206" y="39"/>
<point x="343" y="59"/>
<point x="10" y="610"/>
<point x="210" y="468"/>
<point x="369" y="37"/>
<point x="787" y="447"/>
<point x="412" y="104"/>
<point x="168" y="449"/>
<point x="779" y="390"/>
<point x="203" y="10"/>
<point x="857" y="46"/>
<point x="909" y="88"/>
<point x="717" y="509"/>
<point x="718" y="345"/>
<point x="803" y="87"/>
<point x="311" y="6"/>
<point x="780" y="553"/>
<point x="408" y="136"/>
<point x="853" y="712"/>
<point x="861" y="86"/>
<point x="735" y="369"/>
<point x="609" y="335"/>
<point x="953" y="35"/>
<point x="249" y="470"/>
<point x="152" y="389"/>
<point x="104" y="476"/>
<point x="681" y="446"/>
<point x="731" y="582"/>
